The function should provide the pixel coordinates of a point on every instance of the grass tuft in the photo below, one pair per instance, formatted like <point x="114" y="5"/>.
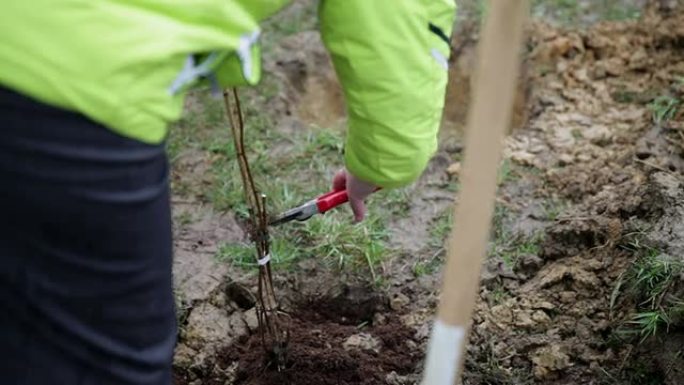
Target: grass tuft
<point x="441" y="227"/>
<point x="509" y="246"/>
<point x="651" y="283"/>
<point x="648" y="324"/>
<point x="664" y="108"/>
<point x="289" y="168"/>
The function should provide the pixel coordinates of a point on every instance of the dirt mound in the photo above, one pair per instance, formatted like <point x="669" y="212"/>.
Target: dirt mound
<point x="602" y="148"/>
<point x="331" y="341"/>
<point x="321" y="353"/>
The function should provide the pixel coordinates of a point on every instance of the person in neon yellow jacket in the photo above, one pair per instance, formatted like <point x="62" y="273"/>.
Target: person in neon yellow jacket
<point x="88" y="90"/>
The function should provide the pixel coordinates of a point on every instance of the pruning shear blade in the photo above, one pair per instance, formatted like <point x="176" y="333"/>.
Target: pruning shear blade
<point x="300" y="213"/>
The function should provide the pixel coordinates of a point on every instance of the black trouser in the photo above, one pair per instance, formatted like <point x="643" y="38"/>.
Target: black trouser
<point x="85" y="252"/>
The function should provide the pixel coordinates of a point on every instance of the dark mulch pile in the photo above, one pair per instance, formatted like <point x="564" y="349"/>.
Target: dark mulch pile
<point x="316" y="354"/>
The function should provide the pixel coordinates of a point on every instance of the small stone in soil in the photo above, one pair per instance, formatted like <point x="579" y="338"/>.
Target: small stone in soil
<point x="399" y="301"/>
<point x="548" y="360"/>
<point x="362" y="341"/>
<point x="568" y="296"/>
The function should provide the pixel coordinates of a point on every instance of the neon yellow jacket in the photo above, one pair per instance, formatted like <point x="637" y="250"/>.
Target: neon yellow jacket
<point x="128" y="63"/>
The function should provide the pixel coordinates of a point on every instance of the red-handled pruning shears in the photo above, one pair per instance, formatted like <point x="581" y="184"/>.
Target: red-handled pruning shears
<point x="320" y="205"/>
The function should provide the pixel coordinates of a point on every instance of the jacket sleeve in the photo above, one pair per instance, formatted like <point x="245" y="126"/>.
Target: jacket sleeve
<point x="391" y="59"/>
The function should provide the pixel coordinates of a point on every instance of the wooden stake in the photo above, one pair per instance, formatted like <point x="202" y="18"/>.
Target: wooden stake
<point x="490" y="113"/>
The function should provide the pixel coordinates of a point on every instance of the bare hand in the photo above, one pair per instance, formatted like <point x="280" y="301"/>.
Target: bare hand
<point x="357" y="190"/>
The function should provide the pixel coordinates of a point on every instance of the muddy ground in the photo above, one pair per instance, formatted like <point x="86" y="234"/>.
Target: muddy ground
<point x="592" y="184"/>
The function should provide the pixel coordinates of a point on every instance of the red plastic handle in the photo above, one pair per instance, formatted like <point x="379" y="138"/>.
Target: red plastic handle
<point x="331" y="200"/>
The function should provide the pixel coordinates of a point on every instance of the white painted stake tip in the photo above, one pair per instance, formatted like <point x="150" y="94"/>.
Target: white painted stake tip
<point x="444" y="354"/>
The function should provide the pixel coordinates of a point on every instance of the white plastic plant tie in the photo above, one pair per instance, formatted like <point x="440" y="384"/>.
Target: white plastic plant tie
<point x="440" y="58"/>
<point x="444" y="354"/>
<point x="244" y="52"/>
<point x="190" y="72"/>
<point x="263" y="261"/>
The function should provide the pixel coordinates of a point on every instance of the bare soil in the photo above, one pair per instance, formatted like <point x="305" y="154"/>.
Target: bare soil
<point x="556" y="324"/>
